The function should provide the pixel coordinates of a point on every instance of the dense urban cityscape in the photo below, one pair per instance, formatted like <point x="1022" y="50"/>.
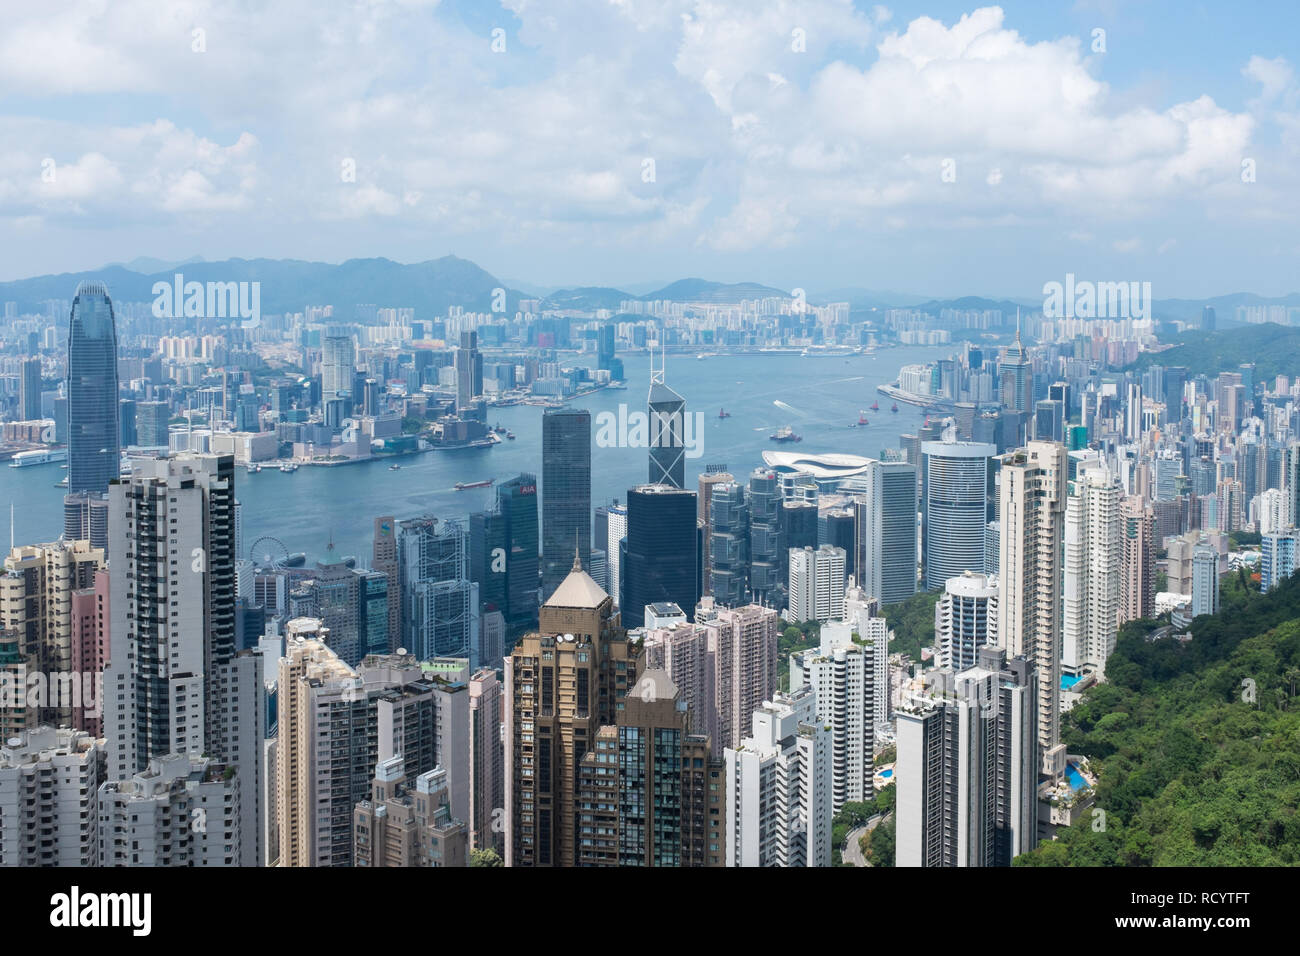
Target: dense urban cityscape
<point x="691" y="434"/>
<point x="704" y="671"/>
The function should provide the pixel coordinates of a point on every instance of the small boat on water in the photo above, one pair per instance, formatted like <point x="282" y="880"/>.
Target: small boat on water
<point x="723" y="413"/>
<point x="862" y="417"/>
<point x="394" y="467"/>
<point x="875" y="406"/>
<point x="895" y="407"/>
<point x="785" y="434"/>
<point x="289" y="467"/>
<point x="510" y="435"/>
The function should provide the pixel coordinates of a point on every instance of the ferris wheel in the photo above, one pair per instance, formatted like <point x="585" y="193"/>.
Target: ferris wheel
<point x="268" y="552"/>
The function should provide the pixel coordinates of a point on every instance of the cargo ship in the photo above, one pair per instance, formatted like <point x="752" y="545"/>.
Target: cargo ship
<point x="463" y="485"/>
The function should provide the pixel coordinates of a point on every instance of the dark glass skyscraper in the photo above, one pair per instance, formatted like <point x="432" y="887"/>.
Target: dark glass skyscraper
<point x="660" y="552"/>
<point x="566" y="493"/>
<point x="94" y="454"/>
<point x="504" y="556"/>
<point x="729" y="544"/>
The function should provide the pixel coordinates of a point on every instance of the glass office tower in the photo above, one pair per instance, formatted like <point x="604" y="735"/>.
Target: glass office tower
<point x="94" y="454"/>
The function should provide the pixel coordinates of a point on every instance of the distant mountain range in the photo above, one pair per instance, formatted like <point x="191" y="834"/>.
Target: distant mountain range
<point x="289" y="285"/>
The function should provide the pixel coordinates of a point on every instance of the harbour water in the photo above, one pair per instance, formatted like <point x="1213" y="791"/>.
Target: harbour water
<point x="819" y="396"/>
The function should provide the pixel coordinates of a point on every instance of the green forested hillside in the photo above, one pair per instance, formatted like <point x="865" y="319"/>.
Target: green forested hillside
<point x="1197" y="745"/>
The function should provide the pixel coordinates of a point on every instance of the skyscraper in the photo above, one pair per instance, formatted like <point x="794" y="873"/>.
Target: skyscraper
<point x="1205" y="580"/>
<point x="36" y="597"/>
<point x="1093" y="563"/>
<point x="563" y="684"/>
<point x="29" y="390"/>
<point x="175" y="681"/>
<point x="440" y="603"/>
<point x="728" y="544"/>
<point x="967" y="767"/>
<point x="566" y="492"/>
<point x="965" y="619"/>
<point x="713" y="475"/>
<point x="649" y="792"/>
<point x="615" y="532"/>
<point x="94" y="455"/>
<point x="659" y="557"/>
<point x="1032" y="514"/>
<point x="384" y="559"/>
<point x="469" y="369"/>
<point x="338" y="364"/>
<point x="486" y="762"/>
<point x="885" y="519"/>
<point x="1138" y="567"/>
<point x="504" y="556"/>
<point x="779" y="787"/>
<point x="765" y="544"/>
<point x="816" y="584"/>
<point x="955" y="508"/>
<point x="1016" y="378"/>
<point x="667" y="412"/>
<point x="841" y="673"/>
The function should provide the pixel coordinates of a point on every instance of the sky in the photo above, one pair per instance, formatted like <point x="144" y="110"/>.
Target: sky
<point x="932" y="148"/>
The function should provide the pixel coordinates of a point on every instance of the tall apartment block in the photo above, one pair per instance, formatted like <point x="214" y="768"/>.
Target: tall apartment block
<point x="967" y="767"/>
<point x="841" y="674"/>
<point x="408" y="823"/>
<point x="1094" y="559"/>
<point x="965" y="619"/>
<point x="175" y="681"/>
<point x="49" y="791"/>
<point x="779" y="786"/>
<point x="36" y="590"/>
<point x="563" y="684"/>
<point x="487" y="783"/>
<point x="90" y="636"/>
<point x="335" y="725"/>
<point x="1138" y="563"/>
<point x="384" y="559"/>
<point x="1031" y="507"/>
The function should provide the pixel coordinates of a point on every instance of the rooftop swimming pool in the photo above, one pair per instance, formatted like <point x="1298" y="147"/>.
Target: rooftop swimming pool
<point x="1067" y="683"/>
<point x="1075" y="778"/>
<point x="887" y="773"/>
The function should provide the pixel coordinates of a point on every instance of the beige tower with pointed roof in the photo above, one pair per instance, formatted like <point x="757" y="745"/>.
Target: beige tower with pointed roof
<point x="562" y="683"/>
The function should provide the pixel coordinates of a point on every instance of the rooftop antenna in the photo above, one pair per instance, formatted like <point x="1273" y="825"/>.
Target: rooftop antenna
<point x="1017" y="325"/>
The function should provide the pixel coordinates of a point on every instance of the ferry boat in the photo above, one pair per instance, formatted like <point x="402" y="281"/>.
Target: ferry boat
<point x="463" y="485"/>
<point x="785" y="434"/>
<point x="252" y="467"/>
<point x="499" y="428"/>
<point x="38" y="456"/>
<point x="289" y="467"/>
<point x="723" y="413"/>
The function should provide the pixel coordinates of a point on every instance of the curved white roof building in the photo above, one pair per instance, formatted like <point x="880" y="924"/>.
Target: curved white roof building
<point x="828" y="466"/>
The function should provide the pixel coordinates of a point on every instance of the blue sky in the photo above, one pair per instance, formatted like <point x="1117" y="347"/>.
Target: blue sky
<point x="938" y="148"/>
